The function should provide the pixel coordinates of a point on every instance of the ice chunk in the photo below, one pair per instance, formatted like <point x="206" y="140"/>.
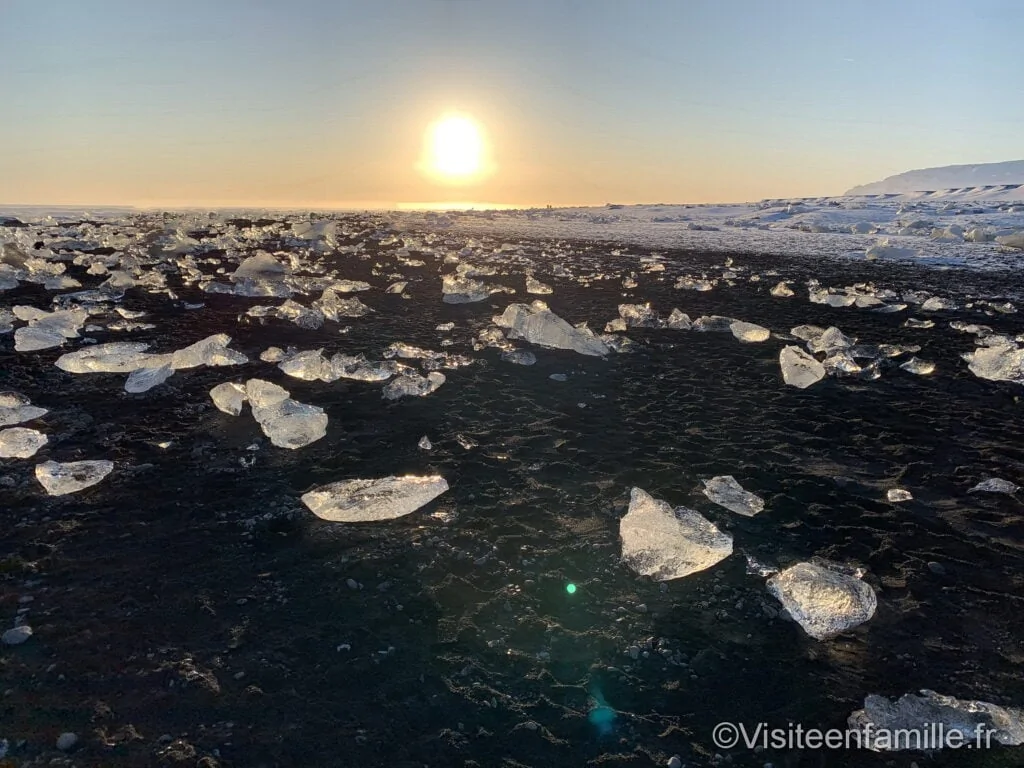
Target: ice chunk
<point x="913" y="322"/>
<point x="536" y="287"/>
<point x="640" y="316"/>
<point x="998" y="363"/>
<point x="897" y="495"/>
<point x="413" y="385"/>
<point x="398" y="287"/>
<point x="615" y="326"/>
<point x="212" y="351"/>
<point x="260" y="267"/>
<point x="925" y="723"/>
<point x="726" y="492"/>
<point x="539" y="325"/>
<point x="362" y="501"/>
<point x="60" y="479"/>
<point x="936" y="304"/>
<point x="679" y="321"/>
<point x="519" y="357"/>
<point x="263" y="394"/>
<point x="668" y="543"/>
<point x="6" y="320"/>
<point x="334" y="308"/>
<point x="885" y="250"/>
<point x="229" y="397"/>
<point x="995" y="485"/>
<point x="457" y="289"/>
<point x="807" y="332"/>
<point x="116" y="357"/>
<point x="841" y="362"/>
<point x="357" y="367"/>
<point x="831" y="340"/>
<point x="425" y="444"/>
<point x="309" y="366"/>
<point x="749" y="332"/>
<point x="799" y="369"/>
<point x="918" y="366"/>
<point x="34" y="338"/>
<point x="714" y="323"/>
<point x="782" y="291"/>
<point x="20" y="442"/>
<point x="825" y="602"/>
<point x="272" y="355"/>
<point x="289" y="423"/>
<point x="15" y="409"/>
<point x="1016" y="240"/>
<point x="143" y="379"/>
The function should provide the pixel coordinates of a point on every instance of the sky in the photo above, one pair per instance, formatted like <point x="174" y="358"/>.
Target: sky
<point x="327" y="103"/>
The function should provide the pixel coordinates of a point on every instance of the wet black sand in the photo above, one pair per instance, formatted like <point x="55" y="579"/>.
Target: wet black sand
<point x="189" y="611"/>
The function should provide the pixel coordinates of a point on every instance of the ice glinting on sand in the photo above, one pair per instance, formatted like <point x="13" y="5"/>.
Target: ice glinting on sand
<point x="800" y="369"/>
<point x="667" y="543"/>
<point x="20" y="442"/>
<point x="363" y="501"/>
<point x="726" y="492"/>
<point x="824" y="601"/>
<point x="17" y="409"/>
<point x="61" y="479"/>
<point x="980" y="724"/>
<point x="538" y="325"/>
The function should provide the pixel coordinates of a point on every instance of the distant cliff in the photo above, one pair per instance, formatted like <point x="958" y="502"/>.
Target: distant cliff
<point x="946" y="177"/>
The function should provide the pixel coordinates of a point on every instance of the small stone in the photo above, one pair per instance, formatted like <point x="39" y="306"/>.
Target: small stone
<point x="67" y="741"/>
<point x="17" y="636"/>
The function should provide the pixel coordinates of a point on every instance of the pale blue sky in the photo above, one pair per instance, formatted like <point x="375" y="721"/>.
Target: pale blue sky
<point x="582" y="101"/>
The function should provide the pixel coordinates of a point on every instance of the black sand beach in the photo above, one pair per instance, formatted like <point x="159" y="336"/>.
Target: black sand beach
<point x="189" y="610"/>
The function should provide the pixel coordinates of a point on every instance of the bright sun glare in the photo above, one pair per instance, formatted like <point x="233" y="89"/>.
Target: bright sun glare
<point x="455" y="148"/>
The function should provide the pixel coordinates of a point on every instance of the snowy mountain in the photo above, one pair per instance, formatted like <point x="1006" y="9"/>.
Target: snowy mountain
<point x="946" y="177"/>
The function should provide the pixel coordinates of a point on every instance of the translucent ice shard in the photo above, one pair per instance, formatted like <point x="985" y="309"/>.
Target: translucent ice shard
<point x="925" y="723"/>
<point x="519" y="357"/>
<point x="116" y="357"/>
<point x="143" y="379"/>
<point x="726" y="492"/>
<point x="228" y="397"/>
<point x="679" y="321"/>
<point x="782" y="291"/>
<point x="918" y="366"/>
<point x="361" y="501"/>
<point x="897" y="495"/>
<point x="211" y="351"/>
<point x="20" y="442"/>
<point x="749" y="332"/>
<point x="309" y="366"/>
<point x="413" y="385"/>
<point x="799" y="369"/>
<point x="60" y="479"/>
<point x="536" y="287"/>
<point x="538" y="325"/>
<point x="263" y="394"/>
<point x="829" y="341"/>
<point x="15" y="409"/>
<point x="640" y="316"/>
<point x="668" y="543"/>
<point x="289" y="423"/>
<point x="998" y="363"/>
<point x="825" y="602"/>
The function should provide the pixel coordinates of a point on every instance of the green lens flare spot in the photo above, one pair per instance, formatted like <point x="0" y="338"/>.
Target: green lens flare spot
<point x="570" y="588"/>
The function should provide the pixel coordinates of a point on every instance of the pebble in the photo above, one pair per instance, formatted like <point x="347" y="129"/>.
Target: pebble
<point x="66" y="741"/>
<point x="17" y="636"/>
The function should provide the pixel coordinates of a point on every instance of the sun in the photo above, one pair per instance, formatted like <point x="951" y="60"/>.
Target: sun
<point x="455" y="149"/>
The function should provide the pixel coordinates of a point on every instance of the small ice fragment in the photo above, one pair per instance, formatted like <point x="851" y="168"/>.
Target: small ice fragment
<point x="807" y="332"/>
<point x="272" y="355"/>
<point x="60" y="479"/>
<point x="536" y="287"/>
<point x="289" y="423"/>
<point x="679" y="321"/>
<point x="930" y="719"/>
<point x="413" y="385"/>
<point x="936" y="304"/>
<point x="667" y="543"/>
<point x="398" y="287"/>
<point x="20" y="442"/>
<point x="749" y="332"/>
<point x="913" y="322"/>
<point x="823" y="601"/>
<point x="639" y="316"/>
<point x="144" y="379"/>
<point x="16" y="409"/>
<point x="782" y="291"/>
<point x="360" y="501"/>
<point x="897" y="495"/>
<point x="917" y="366"/>
<point x="445" y="327"/>
<point x="799" y="369"/>
<point x="16" y="636"/>
<point x="714" y="324"/>
<point x="33" y="338"/>
<point x="262" y="394"/>
<point x="831" y="340"/>
<point x="995" y="485"/>
<point x="228" y="397"/>
<point x="116" y="357"/>
<point x="308" y="366"/>
<point x="726" y="492"/>
<point x="425" y="444"/>
<point x="558" y="377"/>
